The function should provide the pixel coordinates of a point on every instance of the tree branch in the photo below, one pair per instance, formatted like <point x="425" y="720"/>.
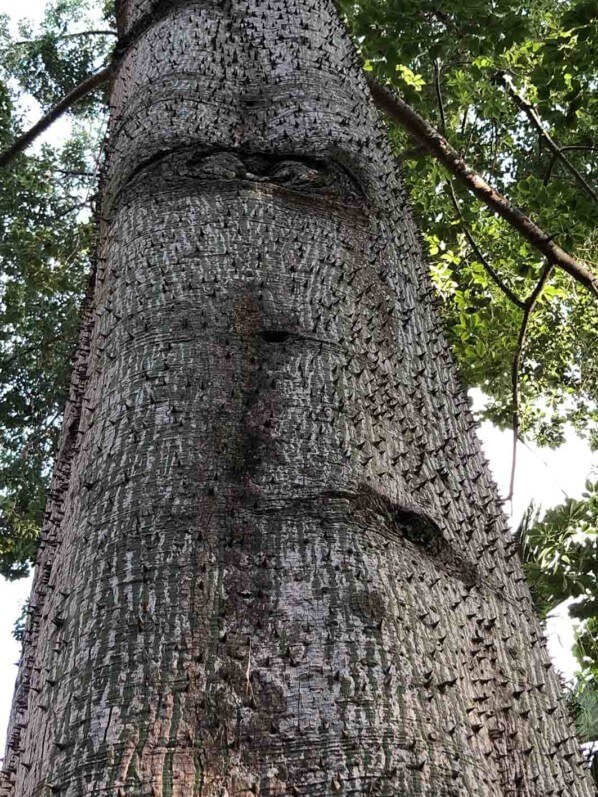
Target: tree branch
<point x="570" y="147"/>
<point x="80" y="91"/>
<point x="529" y="304"/>
<point x="15" y="356"/>
<point x="494" y="276"/>
<point x="472" y="242"/>
<point x="74" y="173"/>
<point x="64" y="36"/>
<point x="438" y="146"/>
<point x="532" y="115"/>
<point x="439" y="96"/>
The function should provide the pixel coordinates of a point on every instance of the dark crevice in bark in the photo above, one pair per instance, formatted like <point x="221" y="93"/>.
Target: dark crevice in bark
<point x="295" y="172"/>
<point x="414" y="524"/>
<point x="275" y="335"/>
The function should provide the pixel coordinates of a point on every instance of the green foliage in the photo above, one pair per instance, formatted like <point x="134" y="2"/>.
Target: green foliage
<point x="560" y="560"/>
<point x="20" y="625"/>
<point x="560" y="555"/>
<point x="68" y="47"/>
<point x="582" y="699"/>
<point x="448" y="61"/>
<point x="45" y="244"/>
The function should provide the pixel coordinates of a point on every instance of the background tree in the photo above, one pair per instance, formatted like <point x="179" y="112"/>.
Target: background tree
<point x="45" y="246"/>
<point x="560" y="557"/>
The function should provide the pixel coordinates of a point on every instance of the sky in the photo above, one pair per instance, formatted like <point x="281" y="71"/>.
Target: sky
<point x="32" y="9"/>
<point x="543" y="476"/>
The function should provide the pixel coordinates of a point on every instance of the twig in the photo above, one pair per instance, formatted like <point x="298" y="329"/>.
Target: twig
<point x="77" y="206"/>
<point x="72" y="173"/>
<point x="481" y="257"/>
<point x="570" y="147"/>
<point x="439" y="96"/>
<point x="39" y="434"/>
<point x="492" y="273"/>
<point x="495" y="138"/>
<point x="67" y="36"/>
<point x="531" y="113"/>
<point x="80" y="91"/>
<point x="435" y="143"/>
<point x="530" y="304"/>
<point x="14" y="357"/>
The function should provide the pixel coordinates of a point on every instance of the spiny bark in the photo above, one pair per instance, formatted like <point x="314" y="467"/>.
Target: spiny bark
<point x="281" y="566"/>
<point x="401" y="113"/>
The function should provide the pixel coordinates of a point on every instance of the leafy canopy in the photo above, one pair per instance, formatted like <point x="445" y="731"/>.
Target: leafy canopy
<point x="45" y="245"/>
<point x="451" y="65"/>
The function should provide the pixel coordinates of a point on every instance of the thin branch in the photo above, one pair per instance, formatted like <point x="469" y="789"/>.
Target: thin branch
<point x="570" y="147"/>
<point x="492" y="273"/>
<point x="39" y="433"/>
<point x="68" y="36"/>
<point x="77" y="206"/>
<point x="82" y="90"/>
<point x="530" y="304"/>
<point x="34" y="347"/>
<point x="495" y="137"/>
<point x="439" y="96"/>
<point x="531" y="113"/>
<point x="436" y="144"/>
<point x="464" y="121"/>
<point x="74" y="173"/>
<point x="472" y="242"/>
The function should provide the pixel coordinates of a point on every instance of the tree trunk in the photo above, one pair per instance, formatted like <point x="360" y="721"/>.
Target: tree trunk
<point x="274" y="561"/>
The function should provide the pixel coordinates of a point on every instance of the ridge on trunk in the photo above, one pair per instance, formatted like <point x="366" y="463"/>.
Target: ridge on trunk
<point x="274" y="560"/>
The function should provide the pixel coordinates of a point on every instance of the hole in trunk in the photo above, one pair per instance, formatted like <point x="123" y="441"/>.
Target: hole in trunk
<point x="275" y="335"/>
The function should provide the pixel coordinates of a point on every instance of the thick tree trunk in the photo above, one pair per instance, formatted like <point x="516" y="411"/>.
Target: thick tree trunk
<point x="276" y="562"/>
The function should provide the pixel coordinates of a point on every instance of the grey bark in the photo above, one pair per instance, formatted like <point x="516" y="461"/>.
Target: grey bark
<point x="275" y="561"/>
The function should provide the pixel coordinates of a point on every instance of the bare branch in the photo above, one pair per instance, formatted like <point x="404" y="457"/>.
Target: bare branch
<point x="531" y="113"/>
<point x="530" y="304"/>
<point x="80" y="91"/>
<point x="436" y="144"/>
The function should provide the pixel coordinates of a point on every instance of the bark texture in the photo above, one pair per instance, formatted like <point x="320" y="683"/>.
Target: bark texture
<point x="278" y="564"/>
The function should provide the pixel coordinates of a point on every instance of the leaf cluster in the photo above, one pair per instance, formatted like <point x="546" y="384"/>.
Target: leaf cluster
<point x="450" y="63"/>
<point x="46" y="240"/>
<point x="560" y="559"/>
